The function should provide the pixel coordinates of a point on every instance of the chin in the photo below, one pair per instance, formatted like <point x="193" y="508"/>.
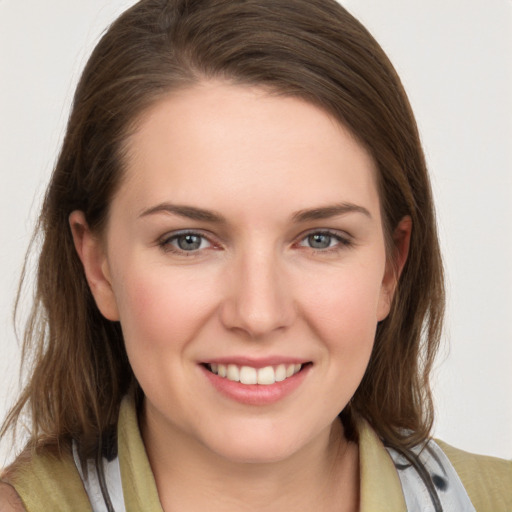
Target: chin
<point x="255" y="454"/>
<point x="256" y="445"/>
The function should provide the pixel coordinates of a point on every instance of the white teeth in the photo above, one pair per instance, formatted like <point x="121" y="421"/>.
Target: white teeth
<point x="248" y="375"/>
<point x="280" y="373"/>
<point x="266" y="375"/>
<point x="233" y="372"/>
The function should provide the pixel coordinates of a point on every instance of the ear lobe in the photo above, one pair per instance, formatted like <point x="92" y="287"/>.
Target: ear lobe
<point x="395" y="266"/>
<point x="92" y="254"/>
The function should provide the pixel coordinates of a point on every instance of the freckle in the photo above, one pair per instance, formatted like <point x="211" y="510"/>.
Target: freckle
<point x="440" y="482"/>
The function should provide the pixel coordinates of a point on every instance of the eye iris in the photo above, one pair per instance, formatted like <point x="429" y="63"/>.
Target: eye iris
<point x="189" y="242"/>
<point x="319" y="241"/>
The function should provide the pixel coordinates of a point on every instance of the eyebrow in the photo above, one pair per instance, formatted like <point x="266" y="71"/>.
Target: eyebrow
<point x="327" y="212"/>
<point x="200" y="214"/>
<point x="189" y="212"/>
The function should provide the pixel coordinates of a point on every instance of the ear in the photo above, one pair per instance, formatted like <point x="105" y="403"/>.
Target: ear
<point x="92" y="254"/>
<point x="395" y="265"/>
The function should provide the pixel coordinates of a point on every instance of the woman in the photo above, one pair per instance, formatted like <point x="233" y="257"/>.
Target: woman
<point x="240" y="288"/>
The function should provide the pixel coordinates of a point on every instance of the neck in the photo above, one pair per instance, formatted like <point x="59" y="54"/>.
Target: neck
<point x="324" y="475"/>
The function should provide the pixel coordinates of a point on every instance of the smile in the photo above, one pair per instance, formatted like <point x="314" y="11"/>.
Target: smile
<point x="256" y="383"/>
<point x="249" y="375"/>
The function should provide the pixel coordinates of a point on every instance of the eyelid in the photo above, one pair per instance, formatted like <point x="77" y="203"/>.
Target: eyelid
<point x="165" y="241"/>
<point x="344" y="239"/>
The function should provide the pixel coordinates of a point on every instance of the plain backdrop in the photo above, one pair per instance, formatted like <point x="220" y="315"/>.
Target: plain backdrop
<point x="455" y="59"/>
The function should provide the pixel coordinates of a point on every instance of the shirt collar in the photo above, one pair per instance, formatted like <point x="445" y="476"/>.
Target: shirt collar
<point x="381" y="490"/>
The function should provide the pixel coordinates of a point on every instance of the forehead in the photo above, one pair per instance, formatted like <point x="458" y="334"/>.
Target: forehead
<point x="216" y="141"/>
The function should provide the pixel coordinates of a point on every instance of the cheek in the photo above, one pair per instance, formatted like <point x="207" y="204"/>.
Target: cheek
<point x="347" y="302"/>
<point x="343" y="314"/>
<point x="160" y="309"/>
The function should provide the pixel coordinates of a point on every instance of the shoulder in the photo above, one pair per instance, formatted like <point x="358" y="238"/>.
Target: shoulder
<point x="487" y="480"/>
<point x="10" y="500"/>
<point x="46" y="480"/>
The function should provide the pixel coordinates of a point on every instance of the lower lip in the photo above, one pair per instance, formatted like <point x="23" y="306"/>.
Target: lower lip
<point x="256" y="394"/>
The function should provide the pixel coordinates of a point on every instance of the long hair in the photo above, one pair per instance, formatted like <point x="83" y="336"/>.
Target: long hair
<point x="310" y="49"/>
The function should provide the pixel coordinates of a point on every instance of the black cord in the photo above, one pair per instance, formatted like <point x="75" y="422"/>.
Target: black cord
<point x="415" y="462"/>
<point x="101" y="477"/>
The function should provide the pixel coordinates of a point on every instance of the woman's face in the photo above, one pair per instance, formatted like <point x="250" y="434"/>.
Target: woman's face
<point x="245" y="243"/>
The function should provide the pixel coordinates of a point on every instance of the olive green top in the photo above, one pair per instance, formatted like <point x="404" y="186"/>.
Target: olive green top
<point x="47" y="482"/>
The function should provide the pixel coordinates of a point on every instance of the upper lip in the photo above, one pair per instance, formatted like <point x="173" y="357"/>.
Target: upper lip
<point x="256" y="362"/>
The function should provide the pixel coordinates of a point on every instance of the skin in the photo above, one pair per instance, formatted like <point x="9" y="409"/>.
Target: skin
<point x="255" y="287"/>
<point x="9" y="499"/>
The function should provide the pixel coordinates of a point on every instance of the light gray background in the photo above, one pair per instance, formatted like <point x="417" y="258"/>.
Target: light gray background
<point x="455" y="60"/>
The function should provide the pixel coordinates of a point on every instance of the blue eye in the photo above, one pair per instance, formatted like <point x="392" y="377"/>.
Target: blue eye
<point x="321" y="240"/>
<point x="185" y="242"/>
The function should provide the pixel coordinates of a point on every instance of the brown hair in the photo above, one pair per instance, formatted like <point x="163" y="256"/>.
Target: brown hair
<point x="312" y="49"/>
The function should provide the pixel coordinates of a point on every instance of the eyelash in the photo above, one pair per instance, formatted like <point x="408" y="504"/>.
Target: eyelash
<point x="342" y="241"/>
<point x="166" y="243"/>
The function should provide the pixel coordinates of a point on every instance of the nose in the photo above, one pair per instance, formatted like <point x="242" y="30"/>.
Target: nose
<point x="259" y="298"/>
